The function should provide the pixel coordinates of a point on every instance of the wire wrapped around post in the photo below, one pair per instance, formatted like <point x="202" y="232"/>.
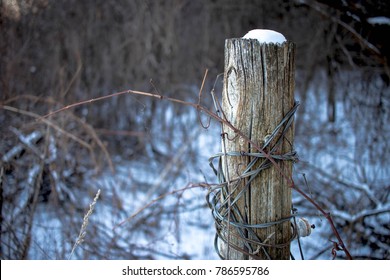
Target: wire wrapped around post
<point x="225" y="212"/>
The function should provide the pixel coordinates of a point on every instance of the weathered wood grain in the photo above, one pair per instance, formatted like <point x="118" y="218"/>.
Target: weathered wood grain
<point x="258" y="92"/>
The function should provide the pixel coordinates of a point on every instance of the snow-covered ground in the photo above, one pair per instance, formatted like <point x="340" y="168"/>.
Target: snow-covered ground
<point x="155" y="209"/>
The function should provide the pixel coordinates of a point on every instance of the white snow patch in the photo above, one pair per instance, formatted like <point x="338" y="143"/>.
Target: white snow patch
<point x="379" y="20"/>
<point x="265" y="36"/>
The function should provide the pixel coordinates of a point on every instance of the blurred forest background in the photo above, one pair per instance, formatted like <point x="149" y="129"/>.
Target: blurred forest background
<point x="136" y="149"/>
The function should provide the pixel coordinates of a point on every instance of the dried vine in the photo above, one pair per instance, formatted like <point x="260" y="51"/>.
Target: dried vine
<point x="219" y="116"/>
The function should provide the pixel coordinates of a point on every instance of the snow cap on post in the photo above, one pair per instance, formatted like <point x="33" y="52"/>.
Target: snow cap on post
<point x="265" y="36"/>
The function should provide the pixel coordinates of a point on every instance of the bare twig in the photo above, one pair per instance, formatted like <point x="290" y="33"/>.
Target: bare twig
<point x="187" y="187"/>
<point x="50" y="123"/>
<point x="220" y="117"/>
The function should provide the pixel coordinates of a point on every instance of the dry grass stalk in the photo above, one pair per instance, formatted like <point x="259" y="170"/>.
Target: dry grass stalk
<point x="83" y="230"/>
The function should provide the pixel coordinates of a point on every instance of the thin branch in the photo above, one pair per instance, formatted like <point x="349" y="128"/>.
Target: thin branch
<point x="359" y="37"/>
<point x="187" y="187"/>
<point x="221" y="119"/>
<point x="47" y="122"/>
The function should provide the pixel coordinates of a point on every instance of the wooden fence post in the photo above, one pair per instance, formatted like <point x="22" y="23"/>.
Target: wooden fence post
<point x="258" y="93"/>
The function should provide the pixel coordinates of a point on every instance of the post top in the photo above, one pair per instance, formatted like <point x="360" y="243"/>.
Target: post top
<point x="265" y="36"/>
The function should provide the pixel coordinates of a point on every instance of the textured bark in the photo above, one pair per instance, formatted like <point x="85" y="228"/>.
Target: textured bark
<point x="258" y="92"/>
